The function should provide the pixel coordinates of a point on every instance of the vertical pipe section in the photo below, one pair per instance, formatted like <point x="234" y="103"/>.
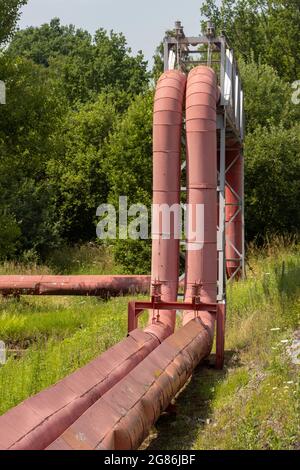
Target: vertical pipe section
<point x="234" y="216"/>
<point x="167" y="126"/>
<point x="201" y="126"/>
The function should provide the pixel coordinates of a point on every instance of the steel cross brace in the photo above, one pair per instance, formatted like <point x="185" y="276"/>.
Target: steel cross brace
<point x="136" y="308"/>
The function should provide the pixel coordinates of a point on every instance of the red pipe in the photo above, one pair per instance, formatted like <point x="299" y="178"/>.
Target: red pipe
<point x="167" y="126"/>
<point x="38" y="421"/>
<point x="41" y="419"/>
<point x="201" y="116"/>
<point x="99" y="286"/>
<point x="233" y="195"/>
<point x="123" y="417"/>
<point x="129" y="409"/>
<point x="121" y="394"/>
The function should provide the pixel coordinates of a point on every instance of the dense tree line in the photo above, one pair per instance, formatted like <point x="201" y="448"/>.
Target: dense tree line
<point x="77" y="127"/>
<point x="65" y="91"/>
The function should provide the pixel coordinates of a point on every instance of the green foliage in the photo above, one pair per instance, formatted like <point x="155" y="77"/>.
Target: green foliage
<point x="9" y="234"/>
<point x="77" y="128"/>
<point x="86" y="65"/>
<point x="134" y="255"/>
<point x="267" y="97"/>
<point x="254" y="402"/>
<point x="53" y="155"/>
<point x="263" y="30"/>
<point x="28" y="123"/>
<point x="49" y="41"/>
<point x="129" y="153"/>
<point x="83" y="259"/>
<point x="129" y="169"/>
<point x="272" y="158"/>
<point x="53" y="152"/>
<point x="9" y="15"/>
<point x="76" y="174"/>
<point x="272" y="180"/>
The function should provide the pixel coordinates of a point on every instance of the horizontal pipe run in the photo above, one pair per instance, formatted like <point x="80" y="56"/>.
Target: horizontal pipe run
<point x="123" y="417"/>
<point x="97" y="286"/>
<point x="38" y="421"/>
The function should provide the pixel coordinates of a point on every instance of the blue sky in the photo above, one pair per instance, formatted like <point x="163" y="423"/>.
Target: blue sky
<point x="142" y="22"/>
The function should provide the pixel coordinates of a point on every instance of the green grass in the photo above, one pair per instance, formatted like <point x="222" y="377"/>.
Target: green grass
<point x="37" y="319"/>
<point x="93" y="328"/>
<point x="49" y="337"/>
<point x="85" y="259"/>
<point x="10" y="267"/>
<point x="252" y="404"/>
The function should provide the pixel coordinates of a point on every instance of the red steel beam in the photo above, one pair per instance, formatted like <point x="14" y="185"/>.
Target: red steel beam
<point x="233" y="195"/>
<point x="136" y="308"/>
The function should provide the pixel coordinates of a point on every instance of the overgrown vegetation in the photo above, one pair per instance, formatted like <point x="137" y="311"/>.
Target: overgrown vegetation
<point x="76" y="131"/>
<point x="48" y="339"/>
<point x="9" y="15"/>
<point x="254" y="402"/>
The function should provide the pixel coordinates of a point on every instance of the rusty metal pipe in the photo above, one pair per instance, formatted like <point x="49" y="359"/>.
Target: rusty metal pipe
<point x="98" y="286"/>
<point x="201" y="129"/>
<point x="129" y="409"/>
<point x="113" y="402"/>
<point x="38" y="421"/>
<point x="48" y="414"/>
<point x="167" y="126"/>
<point x="123" y="417"/>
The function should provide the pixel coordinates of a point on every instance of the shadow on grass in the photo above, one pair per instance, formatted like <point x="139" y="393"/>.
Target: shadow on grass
<point x="178" y="429"/>
<point x="288" y="278"/>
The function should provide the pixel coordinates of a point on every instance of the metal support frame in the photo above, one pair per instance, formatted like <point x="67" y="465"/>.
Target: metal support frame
<point x="243" y="217"/>
<point x="136" y="308"/>
<point x="230" y="121"/>
<point x="240" y="256"/>
<point x="179" y="52"/>
<point x="221" y="228"/>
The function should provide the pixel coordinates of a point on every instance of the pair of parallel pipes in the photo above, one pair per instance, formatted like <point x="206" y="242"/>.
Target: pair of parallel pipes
<point x="128" y="410"/>
<point x="112" y="402"/>
<point x="202" y="95"/>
